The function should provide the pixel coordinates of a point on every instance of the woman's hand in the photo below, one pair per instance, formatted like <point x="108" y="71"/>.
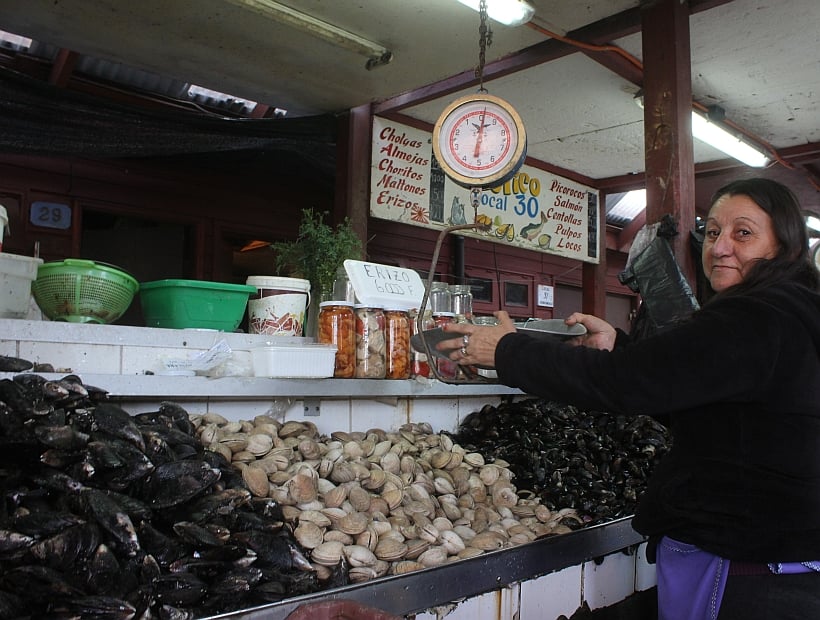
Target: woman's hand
<point x="475" y="344"/>
<point x="600" y="334"/>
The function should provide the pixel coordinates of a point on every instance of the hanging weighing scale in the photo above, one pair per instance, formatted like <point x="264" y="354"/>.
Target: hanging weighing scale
<point x="479" y="141"/>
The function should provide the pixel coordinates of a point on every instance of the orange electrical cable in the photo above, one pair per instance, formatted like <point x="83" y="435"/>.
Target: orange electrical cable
<point x="588" y="46"/>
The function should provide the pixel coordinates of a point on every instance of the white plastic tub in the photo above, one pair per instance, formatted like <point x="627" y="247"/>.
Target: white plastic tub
<point x="16" y="275"/>
<point x="306" y="361"/>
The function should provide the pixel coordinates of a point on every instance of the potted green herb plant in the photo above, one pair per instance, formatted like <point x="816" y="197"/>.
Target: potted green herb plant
<point x="316" y="254"/>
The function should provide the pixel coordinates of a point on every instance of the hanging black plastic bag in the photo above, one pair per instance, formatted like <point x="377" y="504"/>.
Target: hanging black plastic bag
<point x="667" y="298"/>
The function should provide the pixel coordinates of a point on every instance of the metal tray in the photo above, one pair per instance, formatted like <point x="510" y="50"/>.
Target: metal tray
<point x="421" y="590"/>
<point x="544" y="328"/>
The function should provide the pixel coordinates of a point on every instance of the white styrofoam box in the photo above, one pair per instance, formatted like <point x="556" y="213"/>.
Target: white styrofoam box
<point x="609" y="582"/>
<point x="645" y="576"/>
<point x="498" y="605"/>
<point x="16" y="275"/>
<point x="551" y="596"/>
<point x="313" y="361"/>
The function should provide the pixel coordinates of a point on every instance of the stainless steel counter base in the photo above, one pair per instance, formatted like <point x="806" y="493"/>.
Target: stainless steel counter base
<point x="418" y="591"/>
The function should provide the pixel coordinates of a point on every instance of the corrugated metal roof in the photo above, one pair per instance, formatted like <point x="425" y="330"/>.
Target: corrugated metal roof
<point x="621" y="208"/>
<point x="131" y="77"/>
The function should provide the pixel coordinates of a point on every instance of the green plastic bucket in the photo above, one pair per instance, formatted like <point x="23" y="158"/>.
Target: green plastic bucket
<point x="194" y="304"/>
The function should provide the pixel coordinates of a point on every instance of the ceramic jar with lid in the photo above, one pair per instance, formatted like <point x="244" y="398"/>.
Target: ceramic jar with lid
<point x="337" y="326"/>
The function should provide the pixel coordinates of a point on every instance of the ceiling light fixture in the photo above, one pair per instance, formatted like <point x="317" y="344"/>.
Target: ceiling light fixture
<point x="376" y="53"/>
<point x="706" y="128"/>
<point x="507" y="12"/>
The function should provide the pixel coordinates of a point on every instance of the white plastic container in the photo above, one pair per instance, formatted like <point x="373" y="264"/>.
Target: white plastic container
<point x="16" y="275"/>
<point x="279" y="307"/>
<point x="305" y="361"/>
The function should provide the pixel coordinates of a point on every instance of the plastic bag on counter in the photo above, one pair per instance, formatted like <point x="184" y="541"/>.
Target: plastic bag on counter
<point x="202" y="363"/>
<point x="667" y="298"/>
<point x="279" y="407"/>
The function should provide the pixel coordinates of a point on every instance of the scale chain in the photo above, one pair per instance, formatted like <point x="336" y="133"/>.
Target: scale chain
<point x="485" y="38"/>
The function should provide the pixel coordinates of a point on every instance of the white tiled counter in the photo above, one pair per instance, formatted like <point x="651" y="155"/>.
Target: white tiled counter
<point x="126" y="362"/>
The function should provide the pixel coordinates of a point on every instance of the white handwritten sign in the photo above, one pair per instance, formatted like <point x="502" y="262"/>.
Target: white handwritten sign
<point x="535" y="210"/>
<point x="384" y="285"/>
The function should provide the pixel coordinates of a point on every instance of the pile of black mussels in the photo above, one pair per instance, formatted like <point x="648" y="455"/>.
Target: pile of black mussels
<point x="595" y="462"/>
<point x="109" y="515"/>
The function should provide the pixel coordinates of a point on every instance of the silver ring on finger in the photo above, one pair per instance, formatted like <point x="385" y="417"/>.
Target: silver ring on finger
<point x="463" y="351"/>
<point x="466" y="340"/>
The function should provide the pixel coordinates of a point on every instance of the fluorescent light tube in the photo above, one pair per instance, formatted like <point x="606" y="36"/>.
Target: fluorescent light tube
<point x="376" y="53"/>
<point x="507" y="12"/>
<point x="715" y="135"/>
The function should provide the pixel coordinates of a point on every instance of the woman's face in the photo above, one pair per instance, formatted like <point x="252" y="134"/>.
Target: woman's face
<point x="738" y="232"/>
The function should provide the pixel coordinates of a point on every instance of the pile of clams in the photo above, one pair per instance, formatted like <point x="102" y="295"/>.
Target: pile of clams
<point x="106" y="514"/>
<point x="379" y="502"/>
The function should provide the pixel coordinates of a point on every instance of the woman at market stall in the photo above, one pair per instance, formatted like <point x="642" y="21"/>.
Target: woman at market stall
<point x="733" y="511"/>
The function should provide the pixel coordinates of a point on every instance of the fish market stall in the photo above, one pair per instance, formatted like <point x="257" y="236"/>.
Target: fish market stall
<point x="390" y="436"/>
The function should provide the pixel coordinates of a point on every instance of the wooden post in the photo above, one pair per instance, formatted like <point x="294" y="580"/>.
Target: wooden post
<point x="353" y="170"/>
<point x="670" y="169"/>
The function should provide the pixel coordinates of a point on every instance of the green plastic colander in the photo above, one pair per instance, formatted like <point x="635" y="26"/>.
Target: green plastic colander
<point x="83" y="291"/>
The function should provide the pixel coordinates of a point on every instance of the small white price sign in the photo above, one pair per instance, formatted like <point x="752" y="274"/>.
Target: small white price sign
<point x="545" y="296"/>
<point x="384" y="285"/>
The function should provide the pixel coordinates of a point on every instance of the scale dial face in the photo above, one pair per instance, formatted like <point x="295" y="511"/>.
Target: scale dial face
<point x="479" y="141"/>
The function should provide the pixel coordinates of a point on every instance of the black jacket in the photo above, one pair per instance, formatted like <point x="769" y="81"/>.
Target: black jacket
<point x="741" y="385"/>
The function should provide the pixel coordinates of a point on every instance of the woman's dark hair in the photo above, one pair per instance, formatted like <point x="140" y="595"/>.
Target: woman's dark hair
<point x="792" y="261"/>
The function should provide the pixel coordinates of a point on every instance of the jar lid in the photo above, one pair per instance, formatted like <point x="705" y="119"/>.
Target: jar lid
<point x="460" y="288"/>
<point x="368" y="307"/>
<point x="336" y="303"/>
<point x="276" y="282"/>
<point x="444" y="314"/>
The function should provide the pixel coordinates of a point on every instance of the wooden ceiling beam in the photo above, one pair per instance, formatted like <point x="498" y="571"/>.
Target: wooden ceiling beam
<point x="601" y="32"/>
<point x="63" y="67"/>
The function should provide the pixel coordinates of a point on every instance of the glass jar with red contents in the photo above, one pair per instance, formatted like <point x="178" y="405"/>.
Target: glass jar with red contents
<point x="371" y="351"/>
<point x="397" y="344"/>
<point x="337" y="326"/>
<point x="419" y="366"/>
<point x="447" y="368"/>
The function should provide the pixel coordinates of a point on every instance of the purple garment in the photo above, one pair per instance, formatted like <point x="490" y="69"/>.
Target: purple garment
<point x="690" y="581"/>
<point x="794" y="568"/>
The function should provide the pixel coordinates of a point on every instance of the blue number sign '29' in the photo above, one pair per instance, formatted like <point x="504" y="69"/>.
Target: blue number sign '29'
<point x="50" y="215"/>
